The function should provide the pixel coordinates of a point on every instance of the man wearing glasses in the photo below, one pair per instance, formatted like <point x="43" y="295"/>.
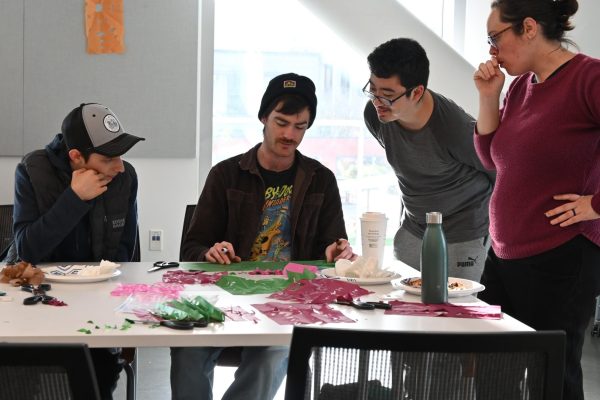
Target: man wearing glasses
<point x="428" y="140"/>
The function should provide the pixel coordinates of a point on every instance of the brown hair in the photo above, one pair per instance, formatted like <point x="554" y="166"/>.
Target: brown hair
<point x="553" y="15"/>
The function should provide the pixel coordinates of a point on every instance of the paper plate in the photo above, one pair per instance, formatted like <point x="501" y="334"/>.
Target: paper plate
<point x="80" y="278"/>
<point x="387" y="278"/>
<point x="464" y="287"/>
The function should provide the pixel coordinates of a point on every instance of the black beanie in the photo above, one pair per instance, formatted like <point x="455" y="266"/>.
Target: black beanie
<point x="290" y="83"/>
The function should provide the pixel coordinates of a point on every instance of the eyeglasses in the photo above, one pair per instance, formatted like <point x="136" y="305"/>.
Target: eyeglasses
<point x="493" y="39"/>
<point x="385" y="101"/>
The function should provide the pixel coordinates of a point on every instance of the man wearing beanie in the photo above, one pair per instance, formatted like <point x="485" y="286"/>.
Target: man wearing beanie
<point x="75" y="201"/>
<point x="269" y="204"/>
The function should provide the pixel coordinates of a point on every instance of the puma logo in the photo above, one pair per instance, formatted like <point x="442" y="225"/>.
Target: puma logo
<point x="469" y="263"/>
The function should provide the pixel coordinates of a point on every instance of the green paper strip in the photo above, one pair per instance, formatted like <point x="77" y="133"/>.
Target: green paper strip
<point x="251" y="265"/>
<point x="243" y="286"/>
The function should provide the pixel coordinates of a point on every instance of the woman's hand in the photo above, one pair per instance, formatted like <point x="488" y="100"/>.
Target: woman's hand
<point x="489" y="79"/>
<point x="579" y="208"/>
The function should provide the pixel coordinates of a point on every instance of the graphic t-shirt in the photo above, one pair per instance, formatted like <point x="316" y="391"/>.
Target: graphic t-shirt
<point x="273" y="242"/>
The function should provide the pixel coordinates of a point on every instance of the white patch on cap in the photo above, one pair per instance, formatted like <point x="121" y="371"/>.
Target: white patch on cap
<point x="289" y="84"/>
<point x="111" y="123"/>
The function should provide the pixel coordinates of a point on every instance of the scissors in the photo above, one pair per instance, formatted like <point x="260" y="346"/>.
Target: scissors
<point x="363" y="305"/>
<point x="173" y="324"/>
<point x="39" y="294"/>
<point x="162" y="265"/>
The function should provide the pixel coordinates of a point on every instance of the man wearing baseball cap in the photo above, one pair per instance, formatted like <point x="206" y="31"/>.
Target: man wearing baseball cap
<point x="269" y="204"/>
<point x="75" y="201"/>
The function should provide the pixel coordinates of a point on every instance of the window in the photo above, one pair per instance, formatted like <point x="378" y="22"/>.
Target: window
<point x="255" y="41"/>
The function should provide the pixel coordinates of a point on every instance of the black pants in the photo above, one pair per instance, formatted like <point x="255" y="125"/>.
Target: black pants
<point x="555" y="290"/>
<point x="108" y="366"/>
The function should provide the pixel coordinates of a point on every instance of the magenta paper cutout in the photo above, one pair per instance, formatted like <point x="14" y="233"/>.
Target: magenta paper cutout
<point x="191" y="277"/>
<point x="237" y="313"/>
<point x="294" y="314"/>
<point x="299" y="268"/>
<point x="445" y="310"/>
<point x="319" y="291"/>
<point x="168" y="290"/>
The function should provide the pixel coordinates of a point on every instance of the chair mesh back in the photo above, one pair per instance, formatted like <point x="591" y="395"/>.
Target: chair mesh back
<point x="35" y="382"/>
<point x="6" y="227"/>
<point x="343" y="374"/>
<point x="346" y="364"/>
<point x="35" y="371"/>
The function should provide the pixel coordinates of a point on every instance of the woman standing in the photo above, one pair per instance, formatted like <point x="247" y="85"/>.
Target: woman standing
<point x="544" y="143"/>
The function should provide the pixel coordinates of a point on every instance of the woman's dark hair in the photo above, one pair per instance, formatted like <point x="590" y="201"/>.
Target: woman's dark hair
<point x="553" y="15"/>
<point x="291" y="104"/>
<point x="401" y="57"/>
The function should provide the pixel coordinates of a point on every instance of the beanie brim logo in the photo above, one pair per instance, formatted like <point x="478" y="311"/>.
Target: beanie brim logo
<point x="111" y="123"/>
<point x="289" y="84"/>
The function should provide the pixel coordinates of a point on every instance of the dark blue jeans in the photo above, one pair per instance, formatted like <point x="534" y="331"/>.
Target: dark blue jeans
<point x="108" y="366"/>
<point x="555" y="290"/>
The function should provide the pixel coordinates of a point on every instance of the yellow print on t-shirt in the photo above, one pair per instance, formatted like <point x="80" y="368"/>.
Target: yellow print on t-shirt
<point x="278" y="192"/>
<point x="273" y="240"/>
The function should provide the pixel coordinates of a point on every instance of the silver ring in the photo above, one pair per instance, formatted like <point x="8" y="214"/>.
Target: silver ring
<point x="574" y="213"/>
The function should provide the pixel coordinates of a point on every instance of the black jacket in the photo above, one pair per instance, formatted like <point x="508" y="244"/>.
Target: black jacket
<point x="51" y="223"/>
<point x="230" y="208"/>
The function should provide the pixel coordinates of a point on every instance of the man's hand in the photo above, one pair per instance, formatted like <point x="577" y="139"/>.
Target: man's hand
<point x="89" y="184"/>
<point x="222" y="253"/>
<point x="338" y="250"/>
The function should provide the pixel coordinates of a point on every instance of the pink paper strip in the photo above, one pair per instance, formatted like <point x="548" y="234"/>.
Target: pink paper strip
<point x="445" y="310"/>
<point x="299" y="268"/>
<point x="168" y="290"/>
<point x="191" y="277"/>
<point x="293" y="313"/>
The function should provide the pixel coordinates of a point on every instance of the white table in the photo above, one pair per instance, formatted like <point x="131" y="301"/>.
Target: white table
<point x="92" y="302"/>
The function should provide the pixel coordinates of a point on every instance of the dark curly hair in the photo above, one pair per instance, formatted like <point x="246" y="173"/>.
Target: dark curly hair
<point x="401" y="57"/>
<point x="553" y="15"/>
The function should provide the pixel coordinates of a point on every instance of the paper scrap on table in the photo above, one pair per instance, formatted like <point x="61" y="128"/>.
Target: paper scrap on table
<point x="292" y="314"/>
<point x="362" y="267"/>
<point x="319" y="291"/>
<point x="445" y="310"/>
<point x="237" y="313"/>
<point x="191" y="277"/>
<point x="104" y="28"/>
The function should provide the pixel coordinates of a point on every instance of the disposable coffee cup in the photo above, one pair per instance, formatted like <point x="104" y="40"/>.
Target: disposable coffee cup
<point x="372" y="230"/>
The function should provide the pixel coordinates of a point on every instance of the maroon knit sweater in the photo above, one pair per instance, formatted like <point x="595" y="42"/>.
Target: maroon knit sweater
<point x="547" y="143"/>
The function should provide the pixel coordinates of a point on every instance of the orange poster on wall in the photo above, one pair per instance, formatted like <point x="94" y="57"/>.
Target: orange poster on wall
<point x="104" y="26"/>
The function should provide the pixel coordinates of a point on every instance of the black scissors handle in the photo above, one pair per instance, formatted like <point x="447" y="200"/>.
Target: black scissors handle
<point x="45" y="299"/>
<point x="174" y="324"/>
<point x="42" y="287"/>
<point x="162" y="265"/>
<point x="356" y="304"/>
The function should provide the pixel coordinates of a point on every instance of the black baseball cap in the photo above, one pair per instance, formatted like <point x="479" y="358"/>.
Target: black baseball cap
<point x="94" y="128"/>
<point x="290" y="83"/>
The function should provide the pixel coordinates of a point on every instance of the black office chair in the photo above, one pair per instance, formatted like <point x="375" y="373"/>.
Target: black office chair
<point x="339" y="364"/>
<point x="6" y="229"/>
<point x="47" y="371"/>
<point x="230" y="356"/>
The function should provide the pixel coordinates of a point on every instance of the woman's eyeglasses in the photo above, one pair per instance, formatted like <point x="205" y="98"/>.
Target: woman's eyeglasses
<point x="385" y="101"/>
<point x="493" y="39"/>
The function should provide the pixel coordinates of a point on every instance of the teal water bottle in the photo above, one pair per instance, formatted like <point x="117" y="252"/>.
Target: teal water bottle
<point x="434" y="262"/>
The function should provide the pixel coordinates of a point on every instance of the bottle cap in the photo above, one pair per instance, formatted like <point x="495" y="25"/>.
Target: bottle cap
<point x="433" y="217"/>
